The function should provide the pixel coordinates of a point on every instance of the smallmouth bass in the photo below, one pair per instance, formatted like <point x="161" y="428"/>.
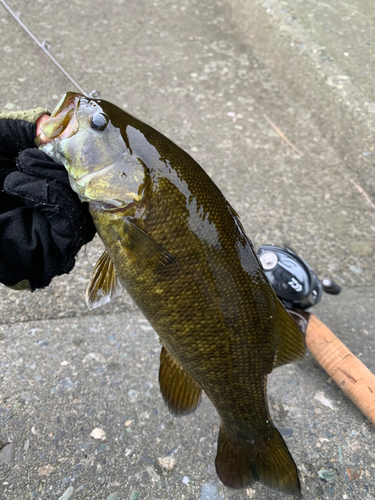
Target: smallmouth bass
<point x="177" y="246"/>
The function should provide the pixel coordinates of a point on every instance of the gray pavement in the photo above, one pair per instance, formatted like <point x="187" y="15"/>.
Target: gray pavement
<point x="207" y="75"/>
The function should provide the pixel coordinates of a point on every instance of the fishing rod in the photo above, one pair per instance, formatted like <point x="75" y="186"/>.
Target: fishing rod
<point x="43" y="46"/>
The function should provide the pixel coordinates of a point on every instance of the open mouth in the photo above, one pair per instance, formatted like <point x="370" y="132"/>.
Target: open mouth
<point x="63" y="122"/>
<point x="68" y="101"/>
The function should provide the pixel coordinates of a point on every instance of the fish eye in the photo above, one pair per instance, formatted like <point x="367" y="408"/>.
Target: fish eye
<point x="99" y="121"/>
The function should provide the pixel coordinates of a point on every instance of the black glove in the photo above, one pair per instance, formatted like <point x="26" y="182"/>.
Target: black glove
<point x="42" y="222"/>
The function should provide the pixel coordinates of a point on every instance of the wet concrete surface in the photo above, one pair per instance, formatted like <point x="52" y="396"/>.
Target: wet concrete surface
<point x="324" y="50"/>
<point x="211" y="77"/>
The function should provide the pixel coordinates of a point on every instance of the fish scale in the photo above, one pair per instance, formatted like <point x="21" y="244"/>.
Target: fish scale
<point x="179" y="249"/>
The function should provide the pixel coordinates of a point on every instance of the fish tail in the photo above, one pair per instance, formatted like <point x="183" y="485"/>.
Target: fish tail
<point x="239" y="464"/>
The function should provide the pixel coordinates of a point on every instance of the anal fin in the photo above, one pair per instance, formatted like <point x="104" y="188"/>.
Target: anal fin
<point x="292" y="346"/>
<point x="180" y="392"/>
<point x="104" y="284"/>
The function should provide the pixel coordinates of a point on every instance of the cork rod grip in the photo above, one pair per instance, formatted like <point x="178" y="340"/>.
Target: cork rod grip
<point x="346" y="370"/>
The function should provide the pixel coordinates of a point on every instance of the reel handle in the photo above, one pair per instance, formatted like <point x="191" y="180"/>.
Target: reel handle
<point x="330" y="286"/>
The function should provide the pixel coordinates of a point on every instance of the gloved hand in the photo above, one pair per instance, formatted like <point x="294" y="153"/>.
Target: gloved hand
<point x="42" y="222"/>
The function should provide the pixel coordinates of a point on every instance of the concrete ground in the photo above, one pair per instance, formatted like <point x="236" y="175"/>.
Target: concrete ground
<point x="210" y="75"/>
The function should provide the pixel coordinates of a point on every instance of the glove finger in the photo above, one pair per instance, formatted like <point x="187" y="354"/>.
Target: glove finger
<point x="15" y="135"/>
<point x="37" y="163"/>
<point x="43" y="192"/>
<point x="65" y="205"/>
<point x="68" y="217"/>
<point x="6" y="167"/>
<point x="32" y="191"/>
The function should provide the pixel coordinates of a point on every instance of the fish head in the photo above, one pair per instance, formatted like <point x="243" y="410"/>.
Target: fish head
<point x="85" y="136"/>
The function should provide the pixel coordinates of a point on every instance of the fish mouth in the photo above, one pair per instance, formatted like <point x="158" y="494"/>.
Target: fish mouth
<point x="63" y="122"/>
<point x="68" y="101"/>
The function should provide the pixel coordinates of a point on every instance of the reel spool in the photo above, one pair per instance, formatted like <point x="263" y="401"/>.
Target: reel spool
<point x="293" y="280"/>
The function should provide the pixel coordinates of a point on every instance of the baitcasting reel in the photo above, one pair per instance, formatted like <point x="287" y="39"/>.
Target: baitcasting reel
<point x="292" y="279"/>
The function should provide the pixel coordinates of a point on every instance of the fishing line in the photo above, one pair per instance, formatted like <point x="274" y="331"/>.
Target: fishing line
<point x="42" y="45"/>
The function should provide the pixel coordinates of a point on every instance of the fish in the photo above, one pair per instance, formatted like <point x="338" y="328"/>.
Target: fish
<point x="177" y="246"/>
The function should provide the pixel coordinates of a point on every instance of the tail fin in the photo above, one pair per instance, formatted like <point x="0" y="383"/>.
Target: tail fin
<point x="240" y="464"/>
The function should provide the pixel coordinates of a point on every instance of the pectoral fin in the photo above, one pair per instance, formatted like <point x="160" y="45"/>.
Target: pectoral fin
<point x="104" y="285"/>
<point x="146" y="253"/>
<point x="180" y="392"/>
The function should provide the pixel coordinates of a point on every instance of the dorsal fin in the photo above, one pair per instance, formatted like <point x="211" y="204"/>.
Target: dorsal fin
<point x="180" y="392"/>
<point x="104" y="284"/>
<point x="292" y="346"/>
